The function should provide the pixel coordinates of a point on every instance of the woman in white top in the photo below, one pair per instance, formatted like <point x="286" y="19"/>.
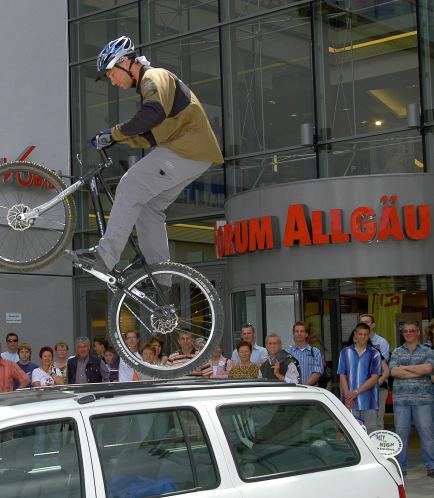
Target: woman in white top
<point x="46" y="374"/>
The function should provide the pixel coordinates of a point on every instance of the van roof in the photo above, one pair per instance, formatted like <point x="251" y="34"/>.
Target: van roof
<point x="87" y="393"/>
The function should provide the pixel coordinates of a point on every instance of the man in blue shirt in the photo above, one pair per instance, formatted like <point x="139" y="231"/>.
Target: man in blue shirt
<point x="308" y="357"/>
<point x="412" y="365"/>
<point x="359" y="370"/>
<point x="248" y="334"/>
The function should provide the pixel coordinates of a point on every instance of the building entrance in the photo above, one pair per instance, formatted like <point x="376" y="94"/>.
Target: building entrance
<point x="331" y="308"/>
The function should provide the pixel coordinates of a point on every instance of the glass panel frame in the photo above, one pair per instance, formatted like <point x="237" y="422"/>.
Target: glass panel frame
<point x="399" y="152"/>
<point x="167" y="18"/>
<point x="367" y="69"/>
<point x="269" y="88"/>
<point x="271" y="169"/>
<point x="89" y="35"/>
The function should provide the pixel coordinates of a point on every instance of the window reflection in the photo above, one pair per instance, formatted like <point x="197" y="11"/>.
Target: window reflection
<point x="256" y="172"/>
<point x="164" y="18"/>
<point x="269" y="94"/>
<point x="88" y="36"/>
<point x="368" y="66"/>
<point x="83" y="7"/>
<point x="394" y="153"/>
<point x="237" y="8"/>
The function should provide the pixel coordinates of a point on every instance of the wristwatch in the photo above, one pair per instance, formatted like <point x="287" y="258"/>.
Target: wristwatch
<point x="356" y="391"/>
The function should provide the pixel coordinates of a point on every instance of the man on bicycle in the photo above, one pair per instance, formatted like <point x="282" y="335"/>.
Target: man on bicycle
<point x="173" y="123"/>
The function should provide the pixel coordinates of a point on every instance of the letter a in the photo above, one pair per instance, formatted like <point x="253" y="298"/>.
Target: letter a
<point x="296" y="230"/>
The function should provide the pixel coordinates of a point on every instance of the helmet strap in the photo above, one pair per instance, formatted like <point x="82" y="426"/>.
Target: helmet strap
<point x="128" y="71"/>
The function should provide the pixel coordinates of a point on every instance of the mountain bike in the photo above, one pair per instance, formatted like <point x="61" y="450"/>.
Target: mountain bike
<point x="37" y="222"/>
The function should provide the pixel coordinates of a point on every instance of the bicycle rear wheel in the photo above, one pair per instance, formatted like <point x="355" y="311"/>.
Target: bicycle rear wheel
<point x="196" y="312"/>
<point x="31" y="245"/>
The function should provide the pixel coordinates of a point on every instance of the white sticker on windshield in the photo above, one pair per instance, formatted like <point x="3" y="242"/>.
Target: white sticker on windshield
<point x="387" y="443"/>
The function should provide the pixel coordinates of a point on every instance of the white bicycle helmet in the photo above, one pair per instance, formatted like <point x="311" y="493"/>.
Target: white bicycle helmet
<point x="113" y="52"/>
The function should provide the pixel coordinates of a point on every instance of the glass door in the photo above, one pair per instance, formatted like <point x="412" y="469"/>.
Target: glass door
<point x="92" y="305"/>
<point x="281" y="303"/>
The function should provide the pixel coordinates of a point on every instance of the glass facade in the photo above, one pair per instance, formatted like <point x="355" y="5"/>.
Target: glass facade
<point x="293" y="90"/>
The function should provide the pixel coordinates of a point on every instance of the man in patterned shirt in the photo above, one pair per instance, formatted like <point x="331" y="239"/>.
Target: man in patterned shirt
<point x="412" y="365"/>
<point x="359" y="370"/>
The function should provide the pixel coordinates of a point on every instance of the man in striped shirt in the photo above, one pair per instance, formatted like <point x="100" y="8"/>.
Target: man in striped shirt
<point x="309" y="358"/>
<point x="359" y="370"/>
<point x="186" y="351"/>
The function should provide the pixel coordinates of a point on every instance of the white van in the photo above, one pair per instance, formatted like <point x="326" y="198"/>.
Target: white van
<point x="195" y="438"/>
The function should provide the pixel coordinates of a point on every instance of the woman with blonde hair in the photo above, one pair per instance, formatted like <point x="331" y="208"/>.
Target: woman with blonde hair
<point x="61" y="349"/>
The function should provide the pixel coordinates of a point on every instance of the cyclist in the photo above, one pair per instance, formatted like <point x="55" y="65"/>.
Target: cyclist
<point x="172" y="122"/>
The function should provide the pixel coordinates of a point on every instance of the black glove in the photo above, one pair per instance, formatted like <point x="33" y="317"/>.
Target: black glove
<point x="102" y="139"/>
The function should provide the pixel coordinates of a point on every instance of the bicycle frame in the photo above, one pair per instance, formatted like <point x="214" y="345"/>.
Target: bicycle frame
<point x="95" y="178"/>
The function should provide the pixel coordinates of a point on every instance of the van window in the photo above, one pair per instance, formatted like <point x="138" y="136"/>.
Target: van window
<point x="271" y="440"/>
<point x="40" y="461"/>
<point x="154" y="453"/>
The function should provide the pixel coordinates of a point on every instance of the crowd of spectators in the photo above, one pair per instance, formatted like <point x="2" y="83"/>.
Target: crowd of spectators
<point x="366" y="368"/>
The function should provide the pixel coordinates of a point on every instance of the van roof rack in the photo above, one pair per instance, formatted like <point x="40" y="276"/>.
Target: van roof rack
<point x="87" y="393"/>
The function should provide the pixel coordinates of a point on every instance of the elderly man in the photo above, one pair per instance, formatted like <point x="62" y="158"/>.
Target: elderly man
<point x="259" y="353"/>
<point x="10" y="372"/>
<point x="85" y="367"/>
<point x="412" y="366"/>
<point x="279" y="364"/>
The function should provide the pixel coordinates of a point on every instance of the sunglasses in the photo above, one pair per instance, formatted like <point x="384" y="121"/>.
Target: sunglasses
<point x="12" y="340"/>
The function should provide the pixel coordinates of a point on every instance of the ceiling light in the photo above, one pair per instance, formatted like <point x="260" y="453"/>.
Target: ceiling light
<point x="378" y="122"/>
<point x="293" y="115"/>
<point x="272" y="102"/>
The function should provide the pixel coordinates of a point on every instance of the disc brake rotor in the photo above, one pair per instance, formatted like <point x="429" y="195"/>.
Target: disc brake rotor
<point x="164" y="322"/>
<point x="13" y="217"/>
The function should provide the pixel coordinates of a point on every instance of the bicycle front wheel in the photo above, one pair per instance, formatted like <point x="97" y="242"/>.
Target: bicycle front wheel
<point x="195" y="314"/>
<point x="28" y="245"/>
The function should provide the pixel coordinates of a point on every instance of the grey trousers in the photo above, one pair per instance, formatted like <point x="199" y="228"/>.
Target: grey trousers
<point x="142" y="196"/>
<point x="382" y="398"/>
<point x="369" y="418"/>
